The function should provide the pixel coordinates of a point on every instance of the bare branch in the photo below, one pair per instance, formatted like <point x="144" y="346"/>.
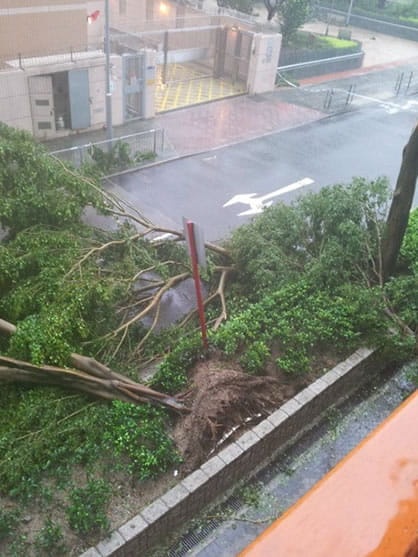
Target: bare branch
<point x="151" y="329"/>
<point x="220" y="291"/>
<point x="155" y="300"/>
<point x="98" y="249"/>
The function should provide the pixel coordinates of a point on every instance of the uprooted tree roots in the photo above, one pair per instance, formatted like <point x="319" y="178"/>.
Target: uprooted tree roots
<point x="223" y="401"/>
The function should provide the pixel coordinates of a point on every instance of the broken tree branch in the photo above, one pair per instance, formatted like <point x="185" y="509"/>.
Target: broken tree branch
<point x="220" y="291"/>
<point x="94" y="379"/>
<point x="117" y="207"/>
<point x="155" y="300"/>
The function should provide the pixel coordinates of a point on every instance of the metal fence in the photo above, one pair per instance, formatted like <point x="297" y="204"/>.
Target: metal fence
<point x="393" y="89"/>
<point x="59" y="56"/>
<point x="380" y="24"/>
<point x="142" y="147"/>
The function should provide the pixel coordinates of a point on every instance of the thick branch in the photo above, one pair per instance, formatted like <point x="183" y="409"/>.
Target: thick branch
<point x="6" y="327"/>
<point x="96" y="379"/>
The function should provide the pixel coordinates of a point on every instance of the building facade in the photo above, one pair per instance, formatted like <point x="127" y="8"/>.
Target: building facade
<point x="44" y="27"/>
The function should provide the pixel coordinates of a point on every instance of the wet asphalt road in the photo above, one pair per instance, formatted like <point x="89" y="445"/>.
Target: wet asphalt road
<point x="366" y="142"/>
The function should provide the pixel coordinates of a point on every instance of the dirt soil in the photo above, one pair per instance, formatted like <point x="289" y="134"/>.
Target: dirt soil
<point x="223" y="400"/>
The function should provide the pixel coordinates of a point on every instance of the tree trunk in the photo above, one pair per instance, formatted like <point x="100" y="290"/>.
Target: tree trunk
<point x="401" y="205"/>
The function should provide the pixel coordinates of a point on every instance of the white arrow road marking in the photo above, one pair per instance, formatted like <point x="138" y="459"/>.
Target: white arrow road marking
<point x="162" y="237"/>
<point x="257" y="204"/>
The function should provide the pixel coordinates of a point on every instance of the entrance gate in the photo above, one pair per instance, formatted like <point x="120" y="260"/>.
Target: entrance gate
<point x="194" y="65"/>
<point x="201" y="64"/>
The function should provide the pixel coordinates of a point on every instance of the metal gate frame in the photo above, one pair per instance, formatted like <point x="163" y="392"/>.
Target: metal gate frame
<point x="133" y="83"/>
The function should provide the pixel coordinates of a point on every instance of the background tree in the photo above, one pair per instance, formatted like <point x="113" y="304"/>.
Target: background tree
<point x="292" y="14"/>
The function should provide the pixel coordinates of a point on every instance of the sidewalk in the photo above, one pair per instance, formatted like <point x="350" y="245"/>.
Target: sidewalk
<point x="235" y="119"/>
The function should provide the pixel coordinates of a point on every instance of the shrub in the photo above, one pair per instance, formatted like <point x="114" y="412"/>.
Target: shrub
<point x="138" y="432"/>
<point x="330" y="237"/>
<point x="87" y="510"/>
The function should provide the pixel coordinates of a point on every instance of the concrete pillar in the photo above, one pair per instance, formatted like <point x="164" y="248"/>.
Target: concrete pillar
<point x="263" y="63"/>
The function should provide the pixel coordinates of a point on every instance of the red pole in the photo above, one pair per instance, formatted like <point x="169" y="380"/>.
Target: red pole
<point x="200" y="307"/>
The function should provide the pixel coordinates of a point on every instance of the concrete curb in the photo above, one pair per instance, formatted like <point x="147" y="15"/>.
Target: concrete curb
<point x="241" y="459"/>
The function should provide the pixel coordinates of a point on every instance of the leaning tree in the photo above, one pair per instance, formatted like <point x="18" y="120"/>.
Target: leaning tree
<point x="403" y="196"/>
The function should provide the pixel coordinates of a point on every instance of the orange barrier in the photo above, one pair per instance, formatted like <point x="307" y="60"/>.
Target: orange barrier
<point x="367" y="506"/>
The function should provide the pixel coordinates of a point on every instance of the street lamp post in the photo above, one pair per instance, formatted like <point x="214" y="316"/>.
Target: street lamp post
<point x="350" y="8"/>
<point x="109" y="129"/>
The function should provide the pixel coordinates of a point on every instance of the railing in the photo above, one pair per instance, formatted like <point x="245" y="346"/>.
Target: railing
<point x="142" y="147"/>
<point x="310" y="63"/>
<point x="397" y="29"/>
<point x="302" y="70"/>
<point x="21" y="61"/>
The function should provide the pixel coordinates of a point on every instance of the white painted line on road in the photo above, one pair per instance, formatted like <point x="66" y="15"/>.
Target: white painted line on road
<point x="162" y="237"/>
<point x="257" y="204"/>
<point x="209" y="158"/>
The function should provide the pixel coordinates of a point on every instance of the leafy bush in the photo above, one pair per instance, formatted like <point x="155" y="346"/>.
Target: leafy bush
<point x="29" y="190"/>
<point x="333" y="42"/>
<point x="328" y="236"/>
<point x="171" y="376"/>
<point x="409" y="249"/>
<point x="116" y="158"/>
<point x="255" y="357"/>
<point x="87" y="510"/>
<point x="301" y="320"/>
<point x="43" y="432"/>
<point x="138" y="432"/>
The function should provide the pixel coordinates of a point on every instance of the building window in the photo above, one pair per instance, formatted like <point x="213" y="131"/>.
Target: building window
<point x="42" y="102"/>
<point x="44" y="126"/>
<point x="150" y="10"/>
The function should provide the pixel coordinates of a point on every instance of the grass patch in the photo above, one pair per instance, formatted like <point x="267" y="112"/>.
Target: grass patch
<point x="333" y="42"/>
<point x="409" y="19"/>
<point x="311" y="41"/>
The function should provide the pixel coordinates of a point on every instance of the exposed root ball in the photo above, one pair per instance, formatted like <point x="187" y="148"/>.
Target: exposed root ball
<point x="222" y="399"/>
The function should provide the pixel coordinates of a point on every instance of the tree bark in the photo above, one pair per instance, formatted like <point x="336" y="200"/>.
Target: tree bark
<point x="401" y="205"/>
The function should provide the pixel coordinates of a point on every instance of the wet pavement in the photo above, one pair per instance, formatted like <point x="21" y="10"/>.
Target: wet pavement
<point x="253" y="507"/>
<point x="365" y="142"/>
<point x="230" y="121"/>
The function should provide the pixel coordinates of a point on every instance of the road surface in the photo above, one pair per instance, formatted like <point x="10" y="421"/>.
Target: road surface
<point x="366" y="142"/>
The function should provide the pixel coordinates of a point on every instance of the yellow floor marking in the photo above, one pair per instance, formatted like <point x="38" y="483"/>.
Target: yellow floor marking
<point x="199" y="95"/>
<point x="180" y="90"/>
<point x="176" y="98"/>
<point x="189" y="90"/>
